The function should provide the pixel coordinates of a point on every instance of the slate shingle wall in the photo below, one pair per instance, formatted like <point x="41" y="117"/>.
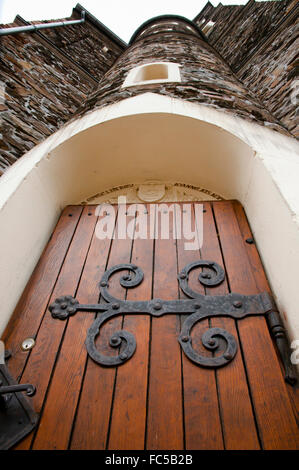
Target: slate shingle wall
<point x="259" y="41"/>
<point x="43" y="79"/>
<point x="206" y="78"/>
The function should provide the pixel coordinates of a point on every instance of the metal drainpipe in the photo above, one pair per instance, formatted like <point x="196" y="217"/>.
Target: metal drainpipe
<point x="35" y="27"/>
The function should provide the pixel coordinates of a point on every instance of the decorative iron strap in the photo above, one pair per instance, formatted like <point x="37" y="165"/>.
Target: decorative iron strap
<point x="198" y="307"/>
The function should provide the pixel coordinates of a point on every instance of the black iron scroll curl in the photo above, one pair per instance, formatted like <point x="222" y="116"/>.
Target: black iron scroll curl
<point x="211" y="278"/>
<point x="210" y="340"/>
<point x="197" y="306"/>
<point x="116" y="340"/>
<point x="125" y="281"/>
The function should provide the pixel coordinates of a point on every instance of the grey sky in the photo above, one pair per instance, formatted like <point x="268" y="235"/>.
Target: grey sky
<point x="122" y="17"/>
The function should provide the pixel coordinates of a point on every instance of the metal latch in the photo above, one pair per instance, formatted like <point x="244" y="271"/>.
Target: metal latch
<point x="17" y="417"/>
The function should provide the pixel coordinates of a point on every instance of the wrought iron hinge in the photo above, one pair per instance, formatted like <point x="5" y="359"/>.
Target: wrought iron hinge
<point x="17" y="417"/>
<point x="198" y="307"/>
<point x="278" y="332"/>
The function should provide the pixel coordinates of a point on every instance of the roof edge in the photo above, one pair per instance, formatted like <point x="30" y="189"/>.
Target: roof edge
<point x="166" y="17"/>
<point x="100" y="26"/>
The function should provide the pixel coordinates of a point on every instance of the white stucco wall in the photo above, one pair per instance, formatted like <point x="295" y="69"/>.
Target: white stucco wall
<point x="161" y="138"/>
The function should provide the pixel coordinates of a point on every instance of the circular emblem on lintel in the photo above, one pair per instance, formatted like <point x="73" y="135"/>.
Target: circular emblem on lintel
<point x="151" y="191"/>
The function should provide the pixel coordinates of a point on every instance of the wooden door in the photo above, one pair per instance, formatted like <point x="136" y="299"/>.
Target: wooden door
<point x="159" y="399"/>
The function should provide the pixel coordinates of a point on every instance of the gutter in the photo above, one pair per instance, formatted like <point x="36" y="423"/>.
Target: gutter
<point x="36" y="27"/>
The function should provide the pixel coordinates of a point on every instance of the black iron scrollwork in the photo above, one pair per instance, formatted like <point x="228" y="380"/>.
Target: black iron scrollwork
<point x="126" y="280"/>
<point x="116" y="340"/>
<point x="197" y="306"/>
<point x="63" y="307"/>
<point x="209" y="279"/>
<point x="210" y="342"/>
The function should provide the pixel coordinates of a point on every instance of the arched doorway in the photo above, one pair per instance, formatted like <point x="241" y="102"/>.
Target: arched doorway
<point x="89" y="157"/>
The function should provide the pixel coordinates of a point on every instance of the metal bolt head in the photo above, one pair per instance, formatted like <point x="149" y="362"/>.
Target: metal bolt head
<point x="237" y="304"/>
<point x="228" y="356"/>
<point x="63" y="305"/>
<point x="157" y="305"/>
<point x="185" y="339"/>
<point x="123" y="356"/>
<point x="206" y="275"/>
<point x="114" y="340"/>
<point x="71" y="310"/>
<point x="211" y="342"/>
<point x="115" y="306"/>
<point x="28" y="344"/>
<point x="103" y="283"/>
<point x="197" y="306"/>
<point x="183" y="275"/>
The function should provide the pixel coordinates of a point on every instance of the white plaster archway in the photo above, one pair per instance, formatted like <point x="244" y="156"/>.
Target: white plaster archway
<point x="155" y="137"/>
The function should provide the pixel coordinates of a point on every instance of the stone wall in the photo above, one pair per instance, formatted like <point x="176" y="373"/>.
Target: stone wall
<point x="258" y="41"/>
<point x="44" y="77"/>
<point x="222" y="17"/>
<point x="248" y="68"/>
<point x="273" y="75"/>
<point x="91" y="44"/>
<point x="238" y="30"/>
<point x="206" y="78"/>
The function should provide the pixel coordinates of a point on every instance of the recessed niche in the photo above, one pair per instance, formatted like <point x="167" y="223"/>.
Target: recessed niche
<point x="158" y="72"/>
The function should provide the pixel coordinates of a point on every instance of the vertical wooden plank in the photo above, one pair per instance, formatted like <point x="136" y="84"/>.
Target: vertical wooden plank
<point x="42" y="359"/>
<point x="260" y="279"/>
<point x="165" y="410"/>
<point x="59" y="411"/>
<point x="31" y="307"/>
<point x="91" y="426"/>
<point x="274" y="415"/>
<point x="201" y="410"/>
<point x="234" y="398"/>
<point x="128" y="421"/>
